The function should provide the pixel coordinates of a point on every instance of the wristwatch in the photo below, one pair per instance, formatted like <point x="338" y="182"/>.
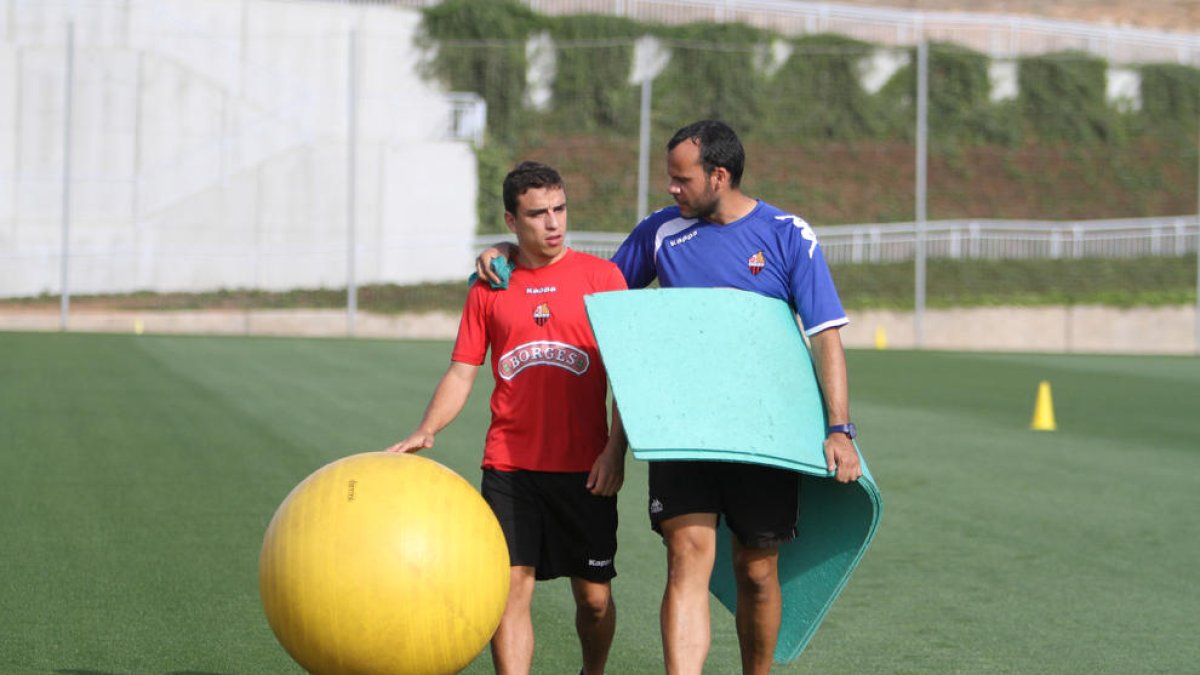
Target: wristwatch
<point x="848" y="428"/>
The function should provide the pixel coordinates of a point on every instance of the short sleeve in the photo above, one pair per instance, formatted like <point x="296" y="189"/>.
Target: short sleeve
<point x="614" y="279"/>
<point x="472" y="342"/>
<point x="813" y="292"/>
<point x="635" y="257"/>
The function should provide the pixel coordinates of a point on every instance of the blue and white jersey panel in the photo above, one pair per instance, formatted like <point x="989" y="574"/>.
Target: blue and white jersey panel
<point x="769" y="252"/>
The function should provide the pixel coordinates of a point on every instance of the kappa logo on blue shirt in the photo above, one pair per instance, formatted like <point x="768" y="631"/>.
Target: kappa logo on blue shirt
<point x="806" y="231"/>
<point x="679" y="240"/>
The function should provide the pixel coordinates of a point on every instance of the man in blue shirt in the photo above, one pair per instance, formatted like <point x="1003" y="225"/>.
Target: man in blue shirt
<point x="717" y="236"/>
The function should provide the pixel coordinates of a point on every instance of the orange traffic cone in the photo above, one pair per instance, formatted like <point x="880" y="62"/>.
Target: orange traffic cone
<point x="1043" y="411"/>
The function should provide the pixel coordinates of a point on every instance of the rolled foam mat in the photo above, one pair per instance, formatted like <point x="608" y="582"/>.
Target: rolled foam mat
<point x="723" y="374"/>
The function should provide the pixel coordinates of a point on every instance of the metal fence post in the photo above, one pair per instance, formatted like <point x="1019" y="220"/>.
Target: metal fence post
<point x="65" y="265"/>
<point x="142" y="258"/>
<point x="351" y="179"/>
<point x="643" y="193"/>
<point x="922" y="168"/>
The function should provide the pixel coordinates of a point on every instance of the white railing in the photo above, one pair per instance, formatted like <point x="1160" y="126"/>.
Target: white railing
<point x="1006" y="239"/>
<point x="978" y="239"/>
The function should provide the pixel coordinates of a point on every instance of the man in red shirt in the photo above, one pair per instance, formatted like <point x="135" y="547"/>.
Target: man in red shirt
<point x="551" y="469"/>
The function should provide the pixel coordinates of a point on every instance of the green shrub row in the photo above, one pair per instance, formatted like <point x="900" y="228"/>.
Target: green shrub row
<point x="819" y="142"/>
<point x="1122" y="282"/>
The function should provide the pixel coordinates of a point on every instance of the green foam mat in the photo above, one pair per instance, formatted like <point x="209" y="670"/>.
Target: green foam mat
<point x="722" y="374"/>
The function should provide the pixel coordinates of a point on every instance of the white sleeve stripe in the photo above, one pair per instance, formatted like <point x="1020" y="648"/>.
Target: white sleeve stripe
<point x="825" y="326"/>
<point x="671" y="227"/>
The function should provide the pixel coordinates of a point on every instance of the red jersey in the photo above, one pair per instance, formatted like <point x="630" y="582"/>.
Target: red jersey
<point x="549" y="404"/>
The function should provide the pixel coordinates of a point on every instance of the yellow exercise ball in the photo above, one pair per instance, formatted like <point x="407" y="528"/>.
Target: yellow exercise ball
<point x="384" y="563"/>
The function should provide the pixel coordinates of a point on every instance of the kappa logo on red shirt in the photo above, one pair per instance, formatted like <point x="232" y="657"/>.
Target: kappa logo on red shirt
<point x="541" y="314"/>
<point x="543" y="353"/>
<point x="757" y="262"/>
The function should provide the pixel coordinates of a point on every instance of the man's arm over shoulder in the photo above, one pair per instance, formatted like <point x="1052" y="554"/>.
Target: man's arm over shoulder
<point x="483" y="262"/>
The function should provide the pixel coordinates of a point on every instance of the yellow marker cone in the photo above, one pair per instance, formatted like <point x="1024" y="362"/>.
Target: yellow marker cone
<point x="1043" y="411"/>
<point x="880" y="338"/>
<point x="138" y="328"/>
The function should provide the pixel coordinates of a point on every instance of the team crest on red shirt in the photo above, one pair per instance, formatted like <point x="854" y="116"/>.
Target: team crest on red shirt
<point x="541" y="314"/>
<point x="757" y="262"/>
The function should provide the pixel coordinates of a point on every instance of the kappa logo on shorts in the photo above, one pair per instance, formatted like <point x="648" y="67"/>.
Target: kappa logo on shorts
<point x="757" y="262"/>
<point x="656" y="506"/>
<point x="543" y="353"/>
<point x="599" y="563"/>
<point x="541" y="314"/>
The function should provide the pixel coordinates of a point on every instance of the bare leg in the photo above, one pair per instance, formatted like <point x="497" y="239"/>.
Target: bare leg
<point x="595" y="621"/>
<point x="691" y="548"/>
<point x="759" y="605"/>
<point x="512" y="645"/>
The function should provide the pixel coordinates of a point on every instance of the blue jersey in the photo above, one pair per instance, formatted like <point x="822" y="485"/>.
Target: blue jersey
<point x="769" y="252"/>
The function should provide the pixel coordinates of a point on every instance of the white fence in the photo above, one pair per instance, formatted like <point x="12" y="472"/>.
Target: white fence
<point x="1000" y="239"/>
<point x="978" y="239"/>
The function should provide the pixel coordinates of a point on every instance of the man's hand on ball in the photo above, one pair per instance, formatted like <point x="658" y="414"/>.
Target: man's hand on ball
<point x="419" y="440"/>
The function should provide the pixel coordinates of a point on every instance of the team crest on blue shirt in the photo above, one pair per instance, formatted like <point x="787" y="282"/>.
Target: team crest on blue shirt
<point x="541" y="314"/>
<point x="756" y="262"/>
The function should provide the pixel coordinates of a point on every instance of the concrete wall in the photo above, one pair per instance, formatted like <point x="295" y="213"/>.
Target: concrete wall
<point x="209" y="148"/>
<point x="1077" y="329"/>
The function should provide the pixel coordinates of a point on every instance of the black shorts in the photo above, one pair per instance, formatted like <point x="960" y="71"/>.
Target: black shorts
<point x="553" y="524"/>
<point x="760" y="503"/>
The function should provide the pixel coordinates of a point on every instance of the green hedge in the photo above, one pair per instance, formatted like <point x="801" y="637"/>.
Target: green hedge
<point x="716" y="71"/>
<point x="591" y="88"/>
<point x="950" y="283"/>
<point x="814" y="98"/>
<point x="816" y="94"/>
<point x="711" y="75"/>
<point x="492" y="63"/>
<point x="1170" y="99"/>
<point x="1122" y="282"/>
<point x="1062" y="98"/>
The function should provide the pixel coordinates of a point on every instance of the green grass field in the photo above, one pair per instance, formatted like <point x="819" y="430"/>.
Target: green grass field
<point x="139" y="473"/>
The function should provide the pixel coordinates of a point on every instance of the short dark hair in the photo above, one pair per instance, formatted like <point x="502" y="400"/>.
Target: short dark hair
<point x="525" y="176"/>
<point x="719" y="146"/>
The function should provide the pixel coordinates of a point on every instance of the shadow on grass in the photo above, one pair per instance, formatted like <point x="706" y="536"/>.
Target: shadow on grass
<point x="77" y="671"/>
